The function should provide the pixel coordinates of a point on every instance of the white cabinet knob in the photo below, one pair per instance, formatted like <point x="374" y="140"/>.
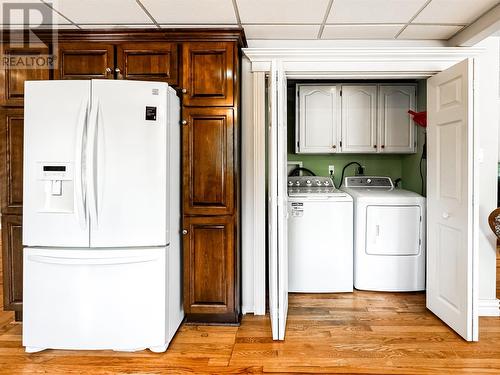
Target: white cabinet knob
<point x="184" y="231"/>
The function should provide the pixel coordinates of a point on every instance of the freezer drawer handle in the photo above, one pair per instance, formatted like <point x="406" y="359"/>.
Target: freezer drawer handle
<point x="91" y="261"/>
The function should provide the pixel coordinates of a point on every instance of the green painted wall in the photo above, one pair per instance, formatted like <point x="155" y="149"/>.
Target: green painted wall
<point x="405" y="167"/>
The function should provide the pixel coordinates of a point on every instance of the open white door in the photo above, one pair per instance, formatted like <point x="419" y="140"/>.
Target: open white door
<point x="452" y="214"/>
<point x="278" y="207"/>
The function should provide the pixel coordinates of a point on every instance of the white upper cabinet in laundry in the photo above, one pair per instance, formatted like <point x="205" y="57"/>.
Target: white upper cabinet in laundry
<point x="359" y="119"/>
<point x="353" y="118"/>
<point x="396" y="131"/>
<point x="318" y="115"/>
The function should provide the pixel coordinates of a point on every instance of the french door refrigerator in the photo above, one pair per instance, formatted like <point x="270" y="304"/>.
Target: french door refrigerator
<point x="101" y="215"/>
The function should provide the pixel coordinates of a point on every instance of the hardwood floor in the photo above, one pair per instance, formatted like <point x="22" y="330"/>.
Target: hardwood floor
<point x="359" y="333"/>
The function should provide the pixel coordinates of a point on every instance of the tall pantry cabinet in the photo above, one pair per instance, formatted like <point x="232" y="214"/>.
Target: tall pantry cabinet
<point x="203" y="66"/>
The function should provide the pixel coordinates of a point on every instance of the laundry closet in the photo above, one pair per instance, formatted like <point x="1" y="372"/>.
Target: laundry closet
<point x="356" y="175"/>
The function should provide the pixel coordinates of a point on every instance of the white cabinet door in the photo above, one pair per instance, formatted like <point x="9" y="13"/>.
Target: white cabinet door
<point x="359" y="119"/>
<point x="396" y="132"/>
<point x="452" y="220"/>
<point x="318" y="115"/>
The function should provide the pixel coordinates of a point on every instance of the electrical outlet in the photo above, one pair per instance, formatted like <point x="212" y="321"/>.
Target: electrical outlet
<point x="331" y="170"/>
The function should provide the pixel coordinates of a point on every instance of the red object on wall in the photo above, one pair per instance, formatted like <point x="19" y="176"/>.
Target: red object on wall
<point x="420" y="118"/>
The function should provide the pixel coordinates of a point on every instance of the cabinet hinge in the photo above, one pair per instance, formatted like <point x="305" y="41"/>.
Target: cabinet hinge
<point x="340" y="92"/>
<point x="419" y="242"/>
<point x="340" y="143"/>
<point x="298" y="144"/>
<point x="420" y="218"/>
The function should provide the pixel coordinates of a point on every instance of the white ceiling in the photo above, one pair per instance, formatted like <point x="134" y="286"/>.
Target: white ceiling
<point x="272" y="19"/>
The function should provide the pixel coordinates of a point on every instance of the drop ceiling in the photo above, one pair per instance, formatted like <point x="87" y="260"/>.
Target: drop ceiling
<point x="273" y="19"/>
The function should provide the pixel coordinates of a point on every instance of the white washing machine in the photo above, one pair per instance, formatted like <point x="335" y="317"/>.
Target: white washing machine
<point x="389" y="235"/>
<point x="320" y="236"/>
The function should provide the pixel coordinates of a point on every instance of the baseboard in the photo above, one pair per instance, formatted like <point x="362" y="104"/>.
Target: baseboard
<point x="247" y="309"/>
<point x="489" y="307"/>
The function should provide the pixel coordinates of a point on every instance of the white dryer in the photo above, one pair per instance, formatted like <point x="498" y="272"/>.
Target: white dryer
<point x="389" y="235"/>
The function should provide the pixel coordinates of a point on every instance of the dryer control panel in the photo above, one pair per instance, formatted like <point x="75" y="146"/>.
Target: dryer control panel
<point x="368" y="181"/>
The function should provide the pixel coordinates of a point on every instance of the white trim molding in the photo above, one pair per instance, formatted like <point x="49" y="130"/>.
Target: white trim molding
<point x="489" y="307"/>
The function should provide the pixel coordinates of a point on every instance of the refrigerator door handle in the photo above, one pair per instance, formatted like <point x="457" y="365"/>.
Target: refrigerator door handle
<point x="91" y="161"/>
<point x="92" y="261"/>
<point x="80" y="191"/>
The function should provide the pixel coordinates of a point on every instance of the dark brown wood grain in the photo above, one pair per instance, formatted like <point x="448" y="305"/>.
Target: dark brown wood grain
<point x="85" y="61"/>
<point x="11" y="160"/>
<point x="208" y="74"/>
<point x="12" y="260"/>
<point x="21" y="66"/>
<point x="208" y="161"/>
<point x="148" y="61"/>
<point x="209" y="257"/>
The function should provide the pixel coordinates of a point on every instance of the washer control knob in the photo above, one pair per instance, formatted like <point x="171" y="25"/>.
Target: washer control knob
<point x="290" y="183"/>
<point x="369" y="180"/>
<point x="326" y="183"/>
<point x="297" y="183"/>
<point x="318" y="182"/>
<point x="308" y="182"/>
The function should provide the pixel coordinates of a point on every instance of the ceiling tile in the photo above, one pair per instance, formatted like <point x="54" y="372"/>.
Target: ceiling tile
<point x="39" y="13"/>
<point x="454" y="11"/>
<point x="191" y="11"/>
<point x="282" y="11"/>
<point x="102" y="11"/>
<point x="281" y="31"/>
<point x="429" y="32"/>
<point x="374" y="11"/>
<point x="361" y="31"/>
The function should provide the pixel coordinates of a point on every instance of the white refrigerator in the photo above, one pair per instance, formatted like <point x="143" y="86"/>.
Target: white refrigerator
<point x="101" y="215"/>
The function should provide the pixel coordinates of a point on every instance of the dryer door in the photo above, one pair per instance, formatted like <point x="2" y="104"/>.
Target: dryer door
<point x="393" y="230"/>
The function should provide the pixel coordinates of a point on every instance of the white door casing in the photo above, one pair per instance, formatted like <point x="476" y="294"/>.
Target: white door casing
<point x="359" y="119"/>
<point x="277" y="203"/>
<point x="452" y="217"/>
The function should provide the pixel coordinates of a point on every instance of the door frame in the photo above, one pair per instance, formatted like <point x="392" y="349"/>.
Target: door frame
<point x="361" y="62"/>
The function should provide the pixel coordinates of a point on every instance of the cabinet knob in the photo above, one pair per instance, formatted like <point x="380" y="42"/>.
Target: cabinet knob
<point x="383" y="146"/>
<point x="184" y="122"/>
<point x="374" y="146"/>
<point x="108" y="70"/>
<point x="184" y="91"/>
<point x="117" y="70"/>
<point x="334" y="146"/>
<point x="184" y="231"/>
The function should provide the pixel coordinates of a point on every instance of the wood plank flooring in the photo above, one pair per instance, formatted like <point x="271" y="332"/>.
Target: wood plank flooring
<point x="359" y="333"/>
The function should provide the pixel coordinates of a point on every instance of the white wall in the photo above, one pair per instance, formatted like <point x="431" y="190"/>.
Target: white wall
<point x="486" y="119"/>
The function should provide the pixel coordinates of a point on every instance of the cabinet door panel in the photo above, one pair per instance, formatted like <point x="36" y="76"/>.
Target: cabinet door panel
<point x="85" y="61"/>
<point x="209" y="261"/>
<point x="396" y="128"/>
<point x="12" y="77"/>
<point x="148" y="62"/>
<point x="208" y="161"/>
<point x="11" y="148"/>
<point x="208" y="74"/>
<point x="359" y="119"/>
<point x="12" y="260"/>
<point x="318" y="118"/>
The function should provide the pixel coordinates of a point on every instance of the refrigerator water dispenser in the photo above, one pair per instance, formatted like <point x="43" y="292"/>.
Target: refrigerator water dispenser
<point x="55" y="190"/>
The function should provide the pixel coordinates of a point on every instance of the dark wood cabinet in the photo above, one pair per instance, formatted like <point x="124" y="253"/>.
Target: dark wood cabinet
<point x="12" y="260"/>
<point x="153" y="61"/>
<point x="11" y="160"/>
<point x="24" y="64"/>
<point x="208" y="161"/>
<point x="209" y="74"/>
<point x="210" y="264"/>
<point x="85" y="61"/>
<point x="204" y="64"/>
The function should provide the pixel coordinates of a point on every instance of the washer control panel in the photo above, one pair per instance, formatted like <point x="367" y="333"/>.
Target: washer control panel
<point x="310" y="181"/>
<point x="368" y="181"/>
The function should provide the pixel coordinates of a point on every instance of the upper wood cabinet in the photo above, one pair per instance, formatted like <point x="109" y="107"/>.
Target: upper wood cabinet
<point x="209" y="74"/>
<point x="11" y="160"/>
<point x="85" y="61"/>
<point x="12" y="260"/>
<point x="12" y="77"/>
<point x="149" y="61"/>
<point x="208" y="161"/>
<point x="396" y="131"/>
<point x="318" y="116"/>
<point x="359" y="119"/>
<point x="210" y="264"/>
